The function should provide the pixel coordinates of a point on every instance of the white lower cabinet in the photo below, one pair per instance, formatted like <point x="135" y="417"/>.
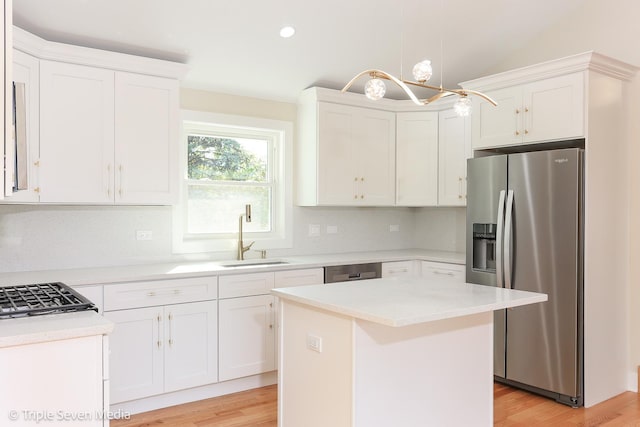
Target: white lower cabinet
<point x="165" y="336"/>
<point x="247" y="336"/>
<point x="190" y="345"/>
<point x="248" y="319"/>
<point x="443" y="271"/>
<point x="136" y="355"/>
<point x="160" y="349"/>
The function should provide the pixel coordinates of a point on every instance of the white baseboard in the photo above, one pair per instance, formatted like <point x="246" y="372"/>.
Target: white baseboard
<point x="194" y="394"/>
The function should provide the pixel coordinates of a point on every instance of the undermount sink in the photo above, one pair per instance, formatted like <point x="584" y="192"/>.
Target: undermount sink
<point x="253" y="263"/>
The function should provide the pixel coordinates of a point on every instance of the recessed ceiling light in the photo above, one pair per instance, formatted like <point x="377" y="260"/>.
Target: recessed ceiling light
<point x="286" y="32"/>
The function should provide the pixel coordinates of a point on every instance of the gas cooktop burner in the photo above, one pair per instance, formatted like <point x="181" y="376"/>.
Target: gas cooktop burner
<point x="40" y="298"/>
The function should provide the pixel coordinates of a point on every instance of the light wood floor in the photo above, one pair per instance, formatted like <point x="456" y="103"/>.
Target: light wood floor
<point x="258" y="408"/>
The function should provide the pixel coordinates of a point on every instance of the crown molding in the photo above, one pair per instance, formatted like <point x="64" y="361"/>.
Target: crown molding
<point x="571" y="64"/>
<point x="61" y="52"/>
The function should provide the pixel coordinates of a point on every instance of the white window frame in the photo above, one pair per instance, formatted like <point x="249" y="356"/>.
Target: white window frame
<point x="281" y="235"/>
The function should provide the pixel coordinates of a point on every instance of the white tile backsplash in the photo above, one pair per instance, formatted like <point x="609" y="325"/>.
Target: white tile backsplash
<point x="55" y="237"/>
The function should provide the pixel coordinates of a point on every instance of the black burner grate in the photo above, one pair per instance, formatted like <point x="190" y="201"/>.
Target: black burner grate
<point x="41" y="298"/>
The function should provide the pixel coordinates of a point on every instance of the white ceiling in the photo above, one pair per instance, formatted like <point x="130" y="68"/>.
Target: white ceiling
<point x="233" y="46"/>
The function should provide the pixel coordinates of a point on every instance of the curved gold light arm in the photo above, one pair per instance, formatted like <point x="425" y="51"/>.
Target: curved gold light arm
<point x="442" y="92"/>
<point x="387" y="76"/>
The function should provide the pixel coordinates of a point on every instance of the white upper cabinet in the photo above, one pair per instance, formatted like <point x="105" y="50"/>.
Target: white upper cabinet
<point x="107" y="137"/>
<point x="546" y="110"/>
<point x="108" y="125"/>
<point x="146" y="139"/>
<point x="76" y="133"/>
<point x="454" y="148"/>
<point x="346" y="155"/>
<point x="417" y="159"/>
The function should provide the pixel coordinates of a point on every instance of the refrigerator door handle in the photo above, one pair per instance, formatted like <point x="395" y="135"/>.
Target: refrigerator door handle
<point x="508" y="224"/>
<point x="499" y="282"/>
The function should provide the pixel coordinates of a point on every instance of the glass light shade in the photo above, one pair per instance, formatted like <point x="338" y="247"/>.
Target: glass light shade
<point x="422" y="71"/>
<point x="374" y="89"/>
<point x="462" y="107"/>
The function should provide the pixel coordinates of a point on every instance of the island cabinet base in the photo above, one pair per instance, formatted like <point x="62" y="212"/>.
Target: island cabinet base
<point x="337" y="371"/>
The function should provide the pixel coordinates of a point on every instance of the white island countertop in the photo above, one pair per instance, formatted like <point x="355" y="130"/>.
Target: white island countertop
<point x="407" y="301"/>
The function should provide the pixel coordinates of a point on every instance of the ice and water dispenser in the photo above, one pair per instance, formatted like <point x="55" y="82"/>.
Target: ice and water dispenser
<point x="484" y="247"/>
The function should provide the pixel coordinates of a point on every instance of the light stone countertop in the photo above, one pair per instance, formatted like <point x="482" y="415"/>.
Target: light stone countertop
<point x="400" y="301"/>
<point x="176" y="270"/>
<point x="52" y="327"/>
<point x="34" y="329"/>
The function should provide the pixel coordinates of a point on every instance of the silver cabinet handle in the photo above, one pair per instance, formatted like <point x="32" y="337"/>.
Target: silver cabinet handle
<point x="499" y="239"/>
<point x="448" y="273"/>
<point x="508" y="221"/>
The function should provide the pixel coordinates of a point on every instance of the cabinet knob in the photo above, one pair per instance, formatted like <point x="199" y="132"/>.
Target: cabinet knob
<point x="362" y="196"/>
<point x="355" y="179"/>
<point x="36" y="163"/>
<point x="517" y="133"/>
<point x="526" y="132"/>
<point x="36" y="190"/>
<point x="362" y="179"/>
<point x="526" y="109"/>
<point x="355" y="196"/>
<point x="517" y="111"/>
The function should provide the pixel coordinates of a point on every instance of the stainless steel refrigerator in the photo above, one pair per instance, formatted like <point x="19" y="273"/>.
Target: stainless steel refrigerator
<point x="525" y="231"/>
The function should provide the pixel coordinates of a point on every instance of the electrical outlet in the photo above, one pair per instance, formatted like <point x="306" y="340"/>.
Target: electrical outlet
<point x="332" y="229"/>
<point x="144" y="235"/>
<point x="314" y="230"/>
<point x="314" y="343"/>
<point x="394" y="227"/>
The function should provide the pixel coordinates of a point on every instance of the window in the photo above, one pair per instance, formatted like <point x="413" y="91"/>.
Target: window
<point x="229" y="162"/>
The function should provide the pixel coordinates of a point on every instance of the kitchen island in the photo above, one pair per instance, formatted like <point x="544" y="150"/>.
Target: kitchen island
<point x="381" y="352"/>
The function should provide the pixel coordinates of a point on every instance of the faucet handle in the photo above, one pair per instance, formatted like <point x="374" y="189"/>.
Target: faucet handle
<point x="246" y="248"/>
<point x="262" y="252"/>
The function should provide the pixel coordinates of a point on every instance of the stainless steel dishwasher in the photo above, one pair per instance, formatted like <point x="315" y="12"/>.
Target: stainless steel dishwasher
<point x="350" y="272"/>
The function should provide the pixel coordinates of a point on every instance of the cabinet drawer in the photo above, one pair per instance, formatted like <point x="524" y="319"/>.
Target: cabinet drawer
<point x="397" y="269"/>
<point x="443" y="271"/>
<point x="159" y="292"/>
<point x="309" y="276"/>
<point x="243" y="285"/>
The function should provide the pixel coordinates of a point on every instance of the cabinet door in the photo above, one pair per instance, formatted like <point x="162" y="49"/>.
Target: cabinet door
<point x="454" y="148"/>
<point x="246" y="336"/>
<point x="500" y="125"/>
<point x="146" y="139"/>
<point x="554" y="108"/>
<point x="191" y="345"/>
<point x="417" y="159"/>
<point x="136" y="357"/>
<point x="76" y="133"/>
<point x="26" y="70"/>
<point x="375" y="157"/>
<point x="337" y="149"/>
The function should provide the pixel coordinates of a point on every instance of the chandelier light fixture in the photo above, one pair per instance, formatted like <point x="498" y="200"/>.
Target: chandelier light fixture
<point x="375" y="88"/>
